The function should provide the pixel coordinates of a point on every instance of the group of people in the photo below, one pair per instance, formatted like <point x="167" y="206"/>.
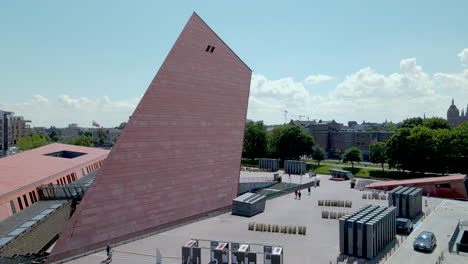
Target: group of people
<point x="298" y="194"/>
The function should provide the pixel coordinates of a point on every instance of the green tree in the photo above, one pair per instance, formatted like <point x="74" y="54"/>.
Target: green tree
<point x="122" y="125"/>
<point x="101" y="136"/>
<point x="436" y="123"/>
<point x="397" y="149"/>
<point x="291" y="142"/>
<point x="377" y="153"/>
<point x="86" y="141"/>
<point x="318" y="154"/>
<point x="255" y="140"/>
<point x="338" y="153"/>
<point x="353" y="154"/>
<point x="53" y="136"/>
<point x="444" y="150"/>
<point x="459" y="146"/>
<point x="421" y="149"/>
<point x="32" y="141"/>
<point x="411" y="122"/>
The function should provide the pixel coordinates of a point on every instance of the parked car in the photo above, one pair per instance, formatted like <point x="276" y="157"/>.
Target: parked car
<point x="425" y="241"/>
<point x="404" y="225"/>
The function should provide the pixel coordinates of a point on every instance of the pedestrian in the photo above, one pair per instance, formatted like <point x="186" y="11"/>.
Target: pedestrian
<point x="295" y="194"/>
<point x="109" y="254"/>
<point x="308" y="189"/>
<point x="289" y="175"/>
<point x="299" y="195"/>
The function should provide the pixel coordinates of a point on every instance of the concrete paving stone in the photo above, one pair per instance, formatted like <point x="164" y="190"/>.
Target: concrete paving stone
<point x="319" y="245"/>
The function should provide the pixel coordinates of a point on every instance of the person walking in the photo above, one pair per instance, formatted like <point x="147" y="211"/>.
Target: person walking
<point x="308" y="190"/>
<point x="299" y="195"/>
<point x="109" y="254"/>
<point x="295" y="194"/>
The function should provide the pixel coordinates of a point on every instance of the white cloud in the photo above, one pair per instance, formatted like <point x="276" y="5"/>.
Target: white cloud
<point x="456" y="84"/>
<point x="65" y="109"/>
<point x="363" y="95"/>
<point x="314" y="79"/>
<point x="464" y="56"/>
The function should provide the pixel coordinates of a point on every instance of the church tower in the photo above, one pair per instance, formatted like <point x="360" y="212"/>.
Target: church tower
<point x="453" y="114"/>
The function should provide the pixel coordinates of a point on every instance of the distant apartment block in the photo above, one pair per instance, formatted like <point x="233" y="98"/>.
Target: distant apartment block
<point x="5" y="136"/>
<point x="12" y="128"/>
<point x="19" y="128"/>
<point x="334" y="137"/>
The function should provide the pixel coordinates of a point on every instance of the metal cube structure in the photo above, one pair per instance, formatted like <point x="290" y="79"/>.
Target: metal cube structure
<point x="277" y="255"/>
<point x="295" y="167"/>
<point x="365" y="231"/>
<point x="407" y="200"/>
<point x="191" y="253"/>
<point x="241" y="254"/>
<point x="219" y="252"/>
<point x="248" y="204"/>
<point x="269" y="164"/>
<point x="347" y="175"/>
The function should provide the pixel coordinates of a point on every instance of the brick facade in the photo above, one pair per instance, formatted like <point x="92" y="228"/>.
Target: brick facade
<point x="178" y="157"/>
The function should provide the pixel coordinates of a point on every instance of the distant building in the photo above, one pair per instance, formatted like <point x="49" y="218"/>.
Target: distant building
<point x="5" y="134"/>
<point x="454" y="117"/>
<point x="19" y="128"/>
<point x="112" y="134"/>
<point x="335" y="138"/>
<point x="12" y="128"/>
<point x="73" y="130"/>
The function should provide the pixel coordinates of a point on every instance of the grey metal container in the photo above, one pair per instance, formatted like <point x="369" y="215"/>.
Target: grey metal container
<point x="248" y="204"/>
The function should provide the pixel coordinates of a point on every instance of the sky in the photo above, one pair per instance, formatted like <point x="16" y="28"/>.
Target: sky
<point x="65" y="62"/>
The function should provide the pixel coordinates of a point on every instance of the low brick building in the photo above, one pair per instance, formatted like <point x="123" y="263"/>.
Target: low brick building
<point x="22" y="173"/>
<point x="455" y="186"/>
<point x="334" y="138"/>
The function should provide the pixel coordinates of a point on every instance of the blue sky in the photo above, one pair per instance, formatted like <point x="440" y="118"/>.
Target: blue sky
<point x="74" y="61"/>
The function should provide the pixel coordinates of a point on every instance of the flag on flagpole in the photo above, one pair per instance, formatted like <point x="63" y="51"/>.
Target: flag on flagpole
<point x="96" y="124"/>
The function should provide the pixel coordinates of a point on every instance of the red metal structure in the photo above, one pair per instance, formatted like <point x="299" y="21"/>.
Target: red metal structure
<point x="178" y="157"/>
<point x="448" y="186"/>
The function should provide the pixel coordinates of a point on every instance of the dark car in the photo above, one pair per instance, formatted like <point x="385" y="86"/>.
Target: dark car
<point x="404" y="225"/>
<point x="425" y="241"/>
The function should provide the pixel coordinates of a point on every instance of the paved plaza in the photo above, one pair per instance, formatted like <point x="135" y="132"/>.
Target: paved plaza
<point x="319" y="245"/>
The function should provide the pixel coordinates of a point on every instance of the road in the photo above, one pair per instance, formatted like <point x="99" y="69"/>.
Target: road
<point x="442" y="223"/>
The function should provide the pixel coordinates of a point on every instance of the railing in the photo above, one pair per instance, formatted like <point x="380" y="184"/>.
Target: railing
<point x="59" y="192"/>
<point x="452" y="242"/>
<point x="290" y="190"/>
<point x="256" y="179"/>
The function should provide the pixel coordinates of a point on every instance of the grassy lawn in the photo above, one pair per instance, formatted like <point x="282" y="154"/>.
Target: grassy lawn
<point x="355" y="164"/>
<point x="325" y="169"/>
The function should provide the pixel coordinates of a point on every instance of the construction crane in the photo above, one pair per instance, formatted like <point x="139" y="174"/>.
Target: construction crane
<point x="285" y="116"/>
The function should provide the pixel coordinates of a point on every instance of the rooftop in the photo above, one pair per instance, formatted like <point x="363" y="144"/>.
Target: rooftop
<point x="35" y="165"/>
<point x="414" y="181"/>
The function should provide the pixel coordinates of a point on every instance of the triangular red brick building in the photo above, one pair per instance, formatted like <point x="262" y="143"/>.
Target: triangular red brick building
<point x="179" y="155"/>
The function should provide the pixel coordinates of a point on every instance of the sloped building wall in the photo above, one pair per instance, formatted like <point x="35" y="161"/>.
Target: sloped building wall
<point x="179" y="155"/>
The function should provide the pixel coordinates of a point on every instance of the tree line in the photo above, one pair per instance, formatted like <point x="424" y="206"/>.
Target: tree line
<point x="425" y="145"/>
<point x="286" y="142"/>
